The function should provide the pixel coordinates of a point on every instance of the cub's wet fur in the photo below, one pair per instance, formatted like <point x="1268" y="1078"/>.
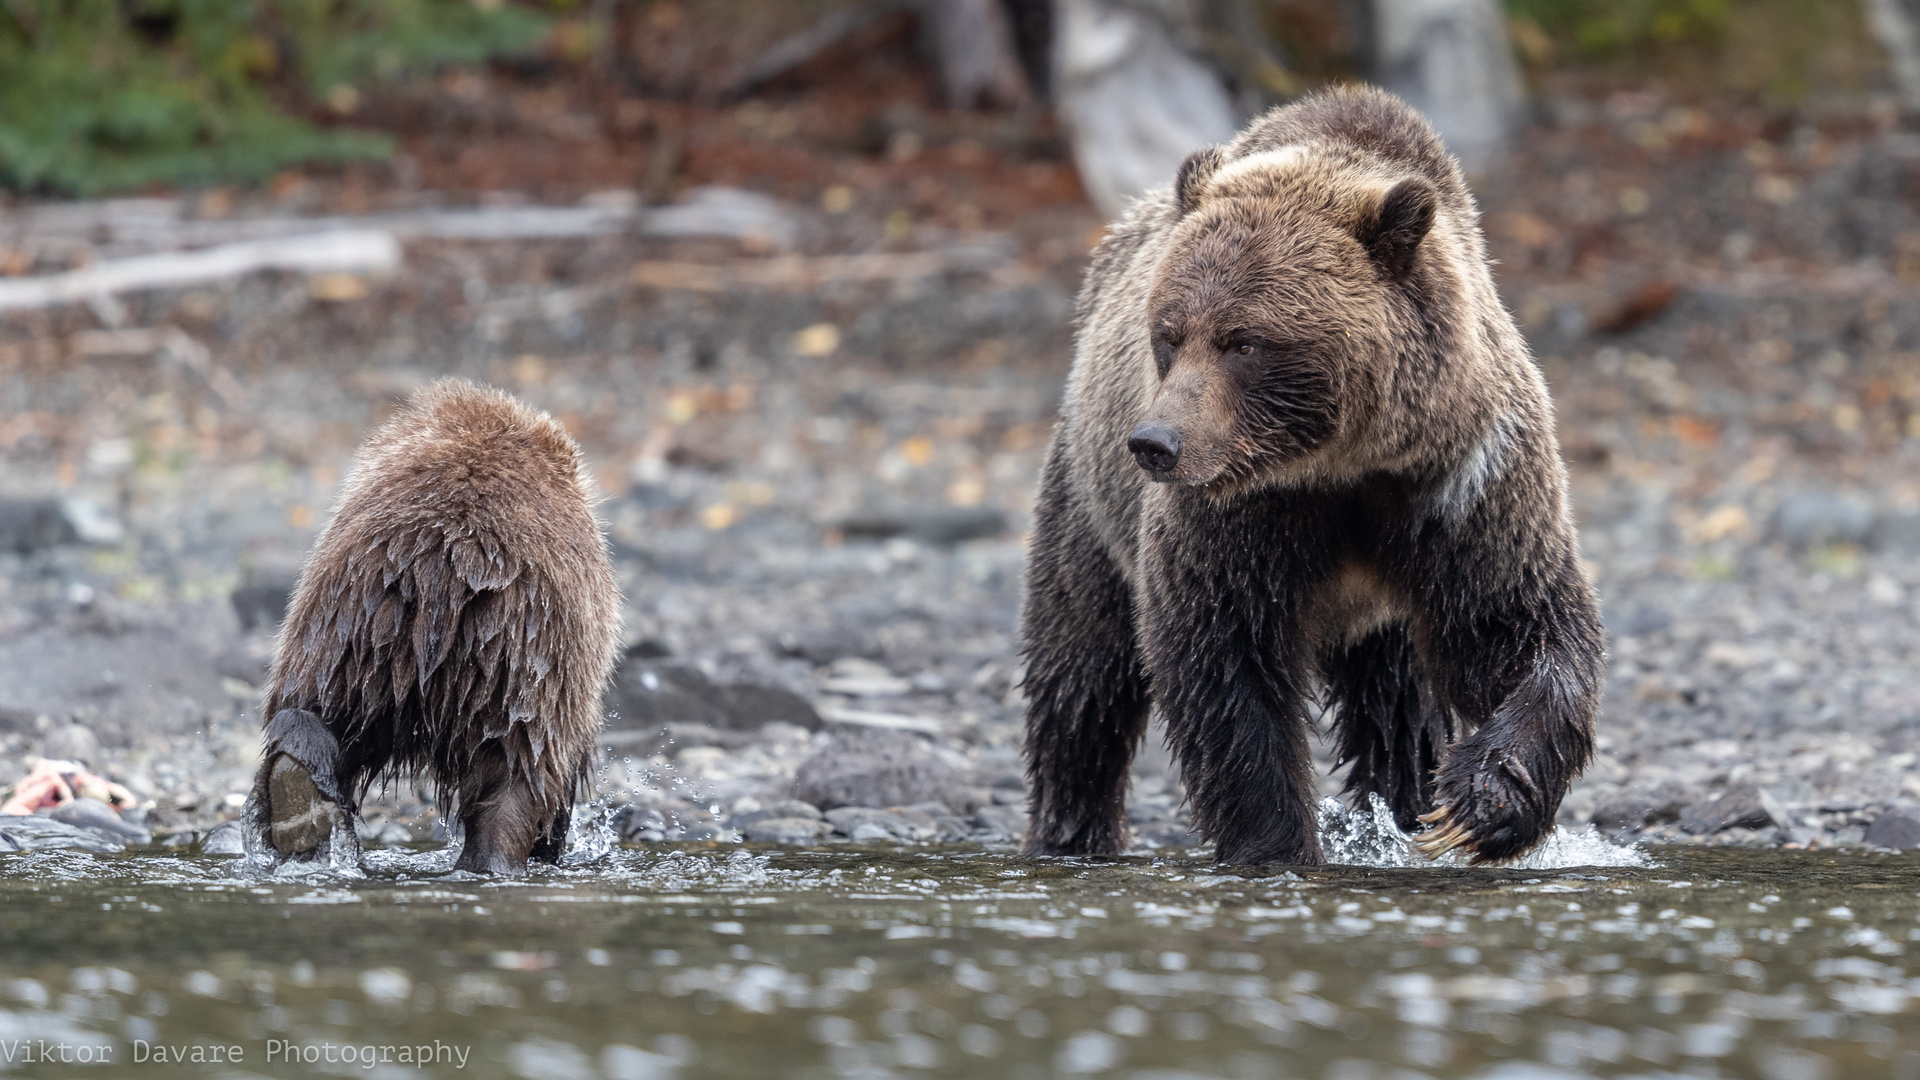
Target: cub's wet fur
<point x="457" y="620"/>
<point x="1304" y="452"/>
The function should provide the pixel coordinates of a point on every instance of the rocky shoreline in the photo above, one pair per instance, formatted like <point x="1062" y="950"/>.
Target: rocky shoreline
<point x="842" y="734"/>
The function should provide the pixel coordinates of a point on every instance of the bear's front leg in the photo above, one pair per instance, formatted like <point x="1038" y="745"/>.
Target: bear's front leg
<point x="1086" y="690"/>
<point x="1220" y="624"/>
<point x="1499" y="789"/>
<point x="1239" y="732"/>
<point x="1534" y="672"/>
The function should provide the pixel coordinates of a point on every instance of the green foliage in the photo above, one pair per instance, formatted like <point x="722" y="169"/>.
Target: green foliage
<point x="100" y="95"/>
<point x="1771" y="51"/>
<point x="1610" y="27"/>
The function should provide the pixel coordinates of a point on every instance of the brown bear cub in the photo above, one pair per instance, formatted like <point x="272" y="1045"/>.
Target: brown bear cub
<point x="457" y="618"/>
<point x="1304" y="456"/>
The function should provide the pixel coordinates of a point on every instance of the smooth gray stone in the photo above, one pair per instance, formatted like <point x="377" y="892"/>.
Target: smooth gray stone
<point x="225" y="839"/>
<point x="787" y="830"/>
<point x="636" y="820"/>
<point x="932" y="524"/>
<point x="865" y="823"/>
<point x="1739" y="807"/>
<point x="101" y="818"/>
<point x="794" y="808"/>
<point x="1809" y="518"/>
<point x="30" y="525"/>
<point x="1638" y="808"/>
<point x="1896" y="533"/>
<point x="37" y="832"/>
<point x="649" y="694"/>
<point x="1005" y="822"/>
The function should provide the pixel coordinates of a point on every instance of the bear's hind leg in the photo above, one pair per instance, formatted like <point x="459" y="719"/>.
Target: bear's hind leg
<point x="298" y="808"/>
<point x="498" y="813"/>
<point x="553" y="839"/>
<point x="1086" y="689"/>
<point x="1390" y="731"/>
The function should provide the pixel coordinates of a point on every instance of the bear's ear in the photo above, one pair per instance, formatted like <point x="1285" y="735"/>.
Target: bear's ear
<point x="1403" y="219"/>
<point x="1194" y="174"/>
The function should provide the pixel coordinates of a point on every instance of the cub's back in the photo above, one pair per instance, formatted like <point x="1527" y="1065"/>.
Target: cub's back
<point x="462" y="551"/>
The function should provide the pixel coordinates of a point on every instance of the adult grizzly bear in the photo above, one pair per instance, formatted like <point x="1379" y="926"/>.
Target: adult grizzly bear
<point x="458" y="617"/>
<point x="1304" y="448"/>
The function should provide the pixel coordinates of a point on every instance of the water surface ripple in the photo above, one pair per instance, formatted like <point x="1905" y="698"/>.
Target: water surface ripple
<point x="863" y="961"/>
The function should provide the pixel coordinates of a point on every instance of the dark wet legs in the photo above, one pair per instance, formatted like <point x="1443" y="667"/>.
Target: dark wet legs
<point x="1086" y="692"/>
<point x="1389" y="730"/>
<point x="504" y="823"/>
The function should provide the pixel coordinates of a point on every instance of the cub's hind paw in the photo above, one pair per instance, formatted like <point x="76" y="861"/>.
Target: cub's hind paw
<point x="299" y="816"/>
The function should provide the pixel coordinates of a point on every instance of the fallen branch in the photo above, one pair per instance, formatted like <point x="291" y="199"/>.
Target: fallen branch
<point x="494" y="223"/>
<point x="364" y="251"/>
<point x="156" y="223"/>
<point x="863" y="718"/>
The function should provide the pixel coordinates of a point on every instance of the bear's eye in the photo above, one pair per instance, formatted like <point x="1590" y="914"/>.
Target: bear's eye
<point x="1245" y="350"/>
<point x="1164" y="348"/>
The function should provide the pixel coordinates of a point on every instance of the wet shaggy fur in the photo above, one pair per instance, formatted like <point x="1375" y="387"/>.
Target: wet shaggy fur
<point x="1305" y="455"/>
<point x="457" y="618"/>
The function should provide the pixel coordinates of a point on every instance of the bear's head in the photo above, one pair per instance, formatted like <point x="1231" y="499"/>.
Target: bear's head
<point x="1275" y="311"/>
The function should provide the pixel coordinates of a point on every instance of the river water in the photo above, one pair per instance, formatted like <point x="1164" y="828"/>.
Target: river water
<point x="874" y="961"/>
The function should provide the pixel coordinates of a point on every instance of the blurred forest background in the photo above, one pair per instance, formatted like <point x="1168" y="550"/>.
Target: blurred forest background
<point x="110" y="95"/>
<point x="798" y="273"/>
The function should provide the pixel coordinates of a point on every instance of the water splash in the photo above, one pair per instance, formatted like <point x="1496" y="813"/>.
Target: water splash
<point x="1371" y="838"/>
<point x="590" y="836"/>
<point x="1364" y="837"/>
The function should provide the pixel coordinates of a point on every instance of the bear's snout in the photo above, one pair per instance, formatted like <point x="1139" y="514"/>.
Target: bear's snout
<point x="1155" y="448"/>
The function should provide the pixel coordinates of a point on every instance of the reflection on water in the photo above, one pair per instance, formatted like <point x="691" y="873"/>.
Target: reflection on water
<point x="863" y="961"/>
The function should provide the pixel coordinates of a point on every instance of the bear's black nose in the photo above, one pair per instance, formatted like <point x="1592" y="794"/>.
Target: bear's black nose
<point x="1154" y="448"/>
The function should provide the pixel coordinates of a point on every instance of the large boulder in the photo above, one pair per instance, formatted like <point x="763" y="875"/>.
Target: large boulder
<point x="875" y="767"/>
<point x="1898" y="828"/>
<point x="1811" y="518"/>
<point x="1743" y="806"/>
<point x="1638" y="808"/>
<point x="125" y="680"/>
<point x="651" y="694"/>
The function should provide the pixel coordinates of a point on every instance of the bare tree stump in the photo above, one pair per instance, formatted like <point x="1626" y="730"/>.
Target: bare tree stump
<point x="974" y="45"/>
<point x="1451" y="60"/>
<point x="1894" y="23"/>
